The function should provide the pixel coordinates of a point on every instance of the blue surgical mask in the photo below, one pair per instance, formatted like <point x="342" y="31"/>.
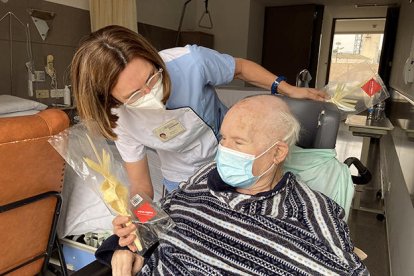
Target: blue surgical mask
<point x="236" y="168"/>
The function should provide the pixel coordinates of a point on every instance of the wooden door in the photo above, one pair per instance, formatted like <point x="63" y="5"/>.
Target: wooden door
<point x="291" y="40"/>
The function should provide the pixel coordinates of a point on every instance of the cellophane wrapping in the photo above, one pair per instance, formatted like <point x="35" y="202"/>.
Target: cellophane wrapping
<point x="88" y="153"/>
<point x="357" y="89"/>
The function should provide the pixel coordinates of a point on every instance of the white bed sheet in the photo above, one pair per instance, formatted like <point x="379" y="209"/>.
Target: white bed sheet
<point x="19" y="113"/>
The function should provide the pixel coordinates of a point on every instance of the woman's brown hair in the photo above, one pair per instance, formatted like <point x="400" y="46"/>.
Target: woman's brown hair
<point x="95" y="69"/>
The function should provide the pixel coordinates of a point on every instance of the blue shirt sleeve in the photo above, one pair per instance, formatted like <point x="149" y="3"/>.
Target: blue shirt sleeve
<point x="216" y="68"/>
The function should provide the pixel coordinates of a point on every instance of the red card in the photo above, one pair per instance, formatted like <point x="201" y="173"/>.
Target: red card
<point x="145" y="212"/>
<point x="371" y="87"/>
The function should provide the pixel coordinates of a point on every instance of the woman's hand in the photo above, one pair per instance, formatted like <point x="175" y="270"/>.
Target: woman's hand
<point x="125" y="262"/>
<point x="126" y="234"/>
<point x="302" y="92"/>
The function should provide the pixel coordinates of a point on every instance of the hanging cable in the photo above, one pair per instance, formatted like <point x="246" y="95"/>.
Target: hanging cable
<point x="181" y="22"/>
<point x="29" y="64"/>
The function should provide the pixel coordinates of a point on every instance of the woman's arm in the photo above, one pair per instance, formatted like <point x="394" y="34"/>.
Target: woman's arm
<point x="139" y="177"/>
<point x="255" y="74"/>
<point x="140" y="181"/>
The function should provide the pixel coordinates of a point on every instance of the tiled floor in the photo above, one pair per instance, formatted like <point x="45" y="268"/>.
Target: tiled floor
<point x="367" y="232"/>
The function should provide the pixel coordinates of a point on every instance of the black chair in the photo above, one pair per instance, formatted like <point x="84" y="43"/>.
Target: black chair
<point x="319" y="129"/>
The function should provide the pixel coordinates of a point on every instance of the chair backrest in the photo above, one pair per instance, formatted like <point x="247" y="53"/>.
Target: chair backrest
<point x="319" y="122"/>
<point x="31" y="177"/>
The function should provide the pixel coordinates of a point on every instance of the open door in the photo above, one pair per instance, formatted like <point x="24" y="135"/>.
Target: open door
<point x="369" y="40"/>
<point x="355" y="42"/>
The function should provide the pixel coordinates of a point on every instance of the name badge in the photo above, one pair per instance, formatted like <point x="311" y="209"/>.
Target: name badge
<point x="169" y="130"/>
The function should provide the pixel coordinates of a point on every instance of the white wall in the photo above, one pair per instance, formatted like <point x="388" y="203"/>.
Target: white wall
<point x="166" y="13"/>
<point x="255" y="34"/>
<point x="404" y="41"/>
<point x="230" y="34"/>
<point x="230" y="25"/>
<point x="400" y="212"/>
<point x="161" y="13"/>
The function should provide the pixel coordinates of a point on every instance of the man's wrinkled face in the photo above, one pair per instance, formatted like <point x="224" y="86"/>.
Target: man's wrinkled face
<point x="241" y="131"/>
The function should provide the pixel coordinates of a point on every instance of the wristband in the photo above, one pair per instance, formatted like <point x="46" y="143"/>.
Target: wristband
<point x="276" y="83"/>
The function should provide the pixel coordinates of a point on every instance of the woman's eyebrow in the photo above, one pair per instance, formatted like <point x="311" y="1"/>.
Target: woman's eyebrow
<point x="149" y="76"/>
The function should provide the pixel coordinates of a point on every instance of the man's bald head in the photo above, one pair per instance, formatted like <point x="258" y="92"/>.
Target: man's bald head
<point x="266" y="117"/>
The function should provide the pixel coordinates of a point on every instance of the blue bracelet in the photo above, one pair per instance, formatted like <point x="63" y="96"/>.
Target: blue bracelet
<point x="276" y="83"/>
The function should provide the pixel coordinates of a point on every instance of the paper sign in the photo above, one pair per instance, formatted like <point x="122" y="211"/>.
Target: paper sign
<point x="144" y="212"/>
<point x="371" y="87"/>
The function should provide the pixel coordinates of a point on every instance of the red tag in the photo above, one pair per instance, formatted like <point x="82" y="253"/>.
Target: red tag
<point x="371" y="87"/>
<point x="144" y="212"/>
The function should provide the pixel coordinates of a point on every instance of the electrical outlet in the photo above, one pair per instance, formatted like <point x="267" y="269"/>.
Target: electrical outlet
<point x="42" y="94"/>
<point x="39" y="76"/>
<point x="57" y="93"/>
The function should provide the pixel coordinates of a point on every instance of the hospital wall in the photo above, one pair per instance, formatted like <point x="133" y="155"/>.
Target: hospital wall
<point x="230" y="36"/>
<point x="398" y="154"/>
<point x="240" y="35"/>
<point x="166" y="13"/>
<point x="66" y="29"/>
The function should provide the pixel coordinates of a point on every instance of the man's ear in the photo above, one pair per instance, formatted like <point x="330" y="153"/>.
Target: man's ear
<point x="282" y="150"/>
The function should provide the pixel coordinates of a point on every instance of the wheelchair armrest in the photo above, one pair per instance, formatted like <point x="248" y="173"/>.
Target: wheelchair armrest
<point x="364" y="174"/>
<point x="95" y="268"/>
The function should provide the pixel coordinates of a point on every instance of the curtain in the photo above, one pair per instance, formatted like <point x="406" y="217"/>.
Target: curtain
<point x="113" y="12"/>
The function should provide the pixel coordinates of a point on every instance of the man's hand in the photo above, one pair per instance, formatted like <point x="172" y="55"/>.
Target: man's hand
<point x="302" y="92"/>
<point x="126" y="234"/>
<point x="124" y="262"/>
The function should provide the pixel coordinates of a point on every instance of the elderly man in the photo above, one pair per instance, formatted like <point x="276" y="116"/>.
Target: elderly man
<point x="242" y="215"/>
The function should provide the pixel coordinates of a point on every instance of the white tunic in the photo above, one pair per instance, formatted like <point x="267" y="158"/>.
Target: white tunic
<point x="193" y="106"/>
<point x="182" y="140"/>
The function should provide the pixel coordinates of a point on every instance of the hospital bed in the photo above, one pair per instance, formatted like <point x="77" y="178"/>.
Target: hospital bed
<point x="319" y="127"/>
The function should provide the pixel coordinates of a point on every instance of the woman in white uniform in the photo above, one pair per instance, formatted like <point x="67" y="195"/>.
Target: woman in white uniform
<point x="165" y="101"/>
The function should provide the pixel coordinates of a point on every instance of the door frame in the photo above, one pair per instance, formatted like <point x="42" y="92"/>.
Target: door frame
<point x="328" y="68"/>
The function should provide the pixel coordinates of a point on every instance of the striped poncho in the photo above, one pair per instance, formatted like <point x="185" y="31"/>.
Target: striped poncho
<point x="290" y="230"/>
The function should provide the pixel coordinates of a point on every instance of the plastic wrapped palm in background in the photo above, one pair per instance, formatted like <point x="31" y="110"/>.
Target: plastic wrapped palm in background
<point x="356" y="90"/>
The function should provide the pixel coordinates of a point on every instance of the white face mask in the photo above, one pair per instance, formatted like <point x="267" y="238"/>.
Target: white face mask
<point x="152" y="100"/>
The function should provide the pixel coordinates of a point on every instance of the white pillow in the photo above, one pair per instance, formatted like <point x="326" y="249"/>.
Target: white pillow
<point x="9" y="104"/>
<point x="19" y="113"/>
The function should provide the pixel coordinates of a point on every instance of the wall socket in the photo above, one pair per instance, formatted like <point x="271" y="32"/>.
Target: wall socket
<point x="39" y="76"/>
<point x="57" y="93"/>
<point x="42" y="94"/>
